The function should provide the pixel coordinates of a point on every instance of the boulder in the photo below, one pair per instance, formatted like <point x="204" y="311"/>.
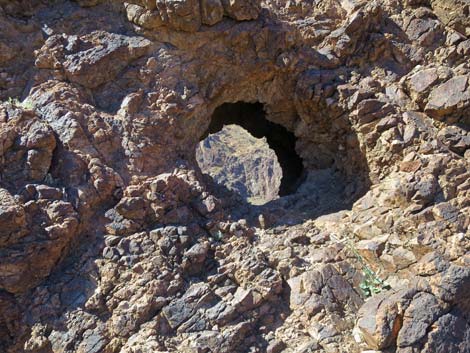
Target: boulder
<point x="451" y="100"/>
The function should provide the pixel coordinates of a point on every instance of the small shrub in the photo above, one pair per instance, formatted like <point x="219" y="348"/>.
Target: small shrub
<point x="372" y="283"/>
<point x="15" y="102"/>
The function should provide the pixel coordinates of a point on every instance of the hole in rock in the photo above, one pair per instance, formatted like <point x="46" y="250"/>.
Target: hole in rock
<point x="250" y="154"/>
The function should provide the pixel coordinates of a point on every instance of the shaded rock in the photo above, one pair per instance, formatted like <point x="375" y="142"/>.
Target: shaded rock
<point x="212" y="12"/>
<point x="457" y="139"/>
<point x="242" y="10"/>
<point x="12" y="218"/>
<point x="183" y="309"/>
<point x="412" y="331"/>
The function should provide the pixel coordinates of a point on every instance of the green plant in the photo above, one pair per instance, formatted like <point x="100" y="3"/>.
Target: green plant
<point x="26" y="104"/>
<point x="372" y="283"/>
<point x="13" y="101"/>
<point x="218" y="235"/>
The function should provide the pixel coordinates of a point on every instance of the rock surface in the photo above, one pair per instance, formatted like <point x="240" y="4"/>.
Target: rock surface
<point x="112" y="240"/>
<point x="242" y="163"/>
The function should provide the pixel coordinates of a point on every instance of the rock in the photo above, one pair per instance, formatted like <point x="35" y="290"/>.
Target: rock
<point x="112" y="239"/>
<point x="29" y="158"/>
<point x="104" y="57"/>
<point x="410" y="166"/>
<point x="380" y="319"/>
<point x="453" y="13"/>
<point x="48" y="193"/>
<point x="449" y="99"/>
<point x="183" y="309"/>
<point x="9" y="318"/>
<point x="307" y="289"/>
<point x="464" y="48"/>
<point x="242" y="10"/>
<point x="413" y="317"/>
<point x="212" y="12"/>
<point x="12" y="218"/>
<point x="423" y="80"/>
<point x="276" y="347"/>
<point x="371" y="249"/>
<point x="245" y="300"/>
<point x="369" y="110"/>
<point x="142" y="17"/>
<point x="413" y="331"/>
<point x="182" y="14"/>
<point x="197" y="253"/>
<point x="93" y="342"/>
<point x="256" y="179"/>
<point x="403" y="258"/>
<point x="132" y="207"/>
<point x="88" y="3"/>
<point x="457" y="139"/>
<point x="427" y="31"/>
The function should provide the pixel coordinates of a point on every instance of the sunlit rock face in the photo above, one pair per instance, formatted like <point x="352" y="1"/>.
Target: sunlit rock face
<point x="113" y="241"/>
<point x="242" y="163"/>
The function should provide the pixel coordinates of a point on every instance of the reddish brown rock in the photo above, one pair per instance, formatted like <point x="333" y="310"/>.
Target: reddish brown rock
<point x="113" y="240"/>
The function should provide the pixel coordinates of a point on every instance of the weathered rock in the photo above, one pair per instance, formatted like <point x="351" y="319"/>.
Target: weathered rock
<point x="93" y="59"/>
<point x="180" y="15"/>
<point x="453" y="13"/>
<point x="212" y="12"/>
<point x="457" y="139"/>
<point x="450" y="100"/>
<point x="309" y="290"/>
<point x="112" y="240"/>
<point x="242" y="10"/>
<point x="242" y="163"/>
<point x="28" y="145"/>
<point x="413" y="318"/>
<point x="13" y="220"/>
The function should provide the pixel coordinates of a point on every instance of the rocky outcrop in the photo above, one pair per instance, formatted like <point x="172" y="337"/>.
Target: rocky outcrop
<point x="453" y="13"/>
<point x="241" y="162"/>
<point x="111" y="238"/>
<point x="91" y="60"/>
<point x="16" y="56"/>
<point x="451" y="98"/>
<point x="189" y="15"/>
<point x="430" y="316"/>
<point x="37" y="224"/>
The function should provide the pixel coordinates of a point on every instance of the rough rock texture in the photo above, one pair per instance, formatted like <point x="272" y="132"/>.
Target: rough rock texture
<point x="242" y="163"/>
<point x="429" y="316"/>
<point x="189" y="15"/>
<point x="111" y="238"/>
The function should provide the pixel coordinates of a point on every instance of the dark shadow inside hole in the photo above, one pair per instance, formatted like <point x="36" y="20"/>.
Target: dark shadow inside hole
<point x="252" y="117"/>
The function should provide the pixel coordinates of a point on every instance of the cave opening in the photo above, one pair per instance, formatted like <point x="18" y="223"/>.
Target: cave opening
<point x="251" y="117"/>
